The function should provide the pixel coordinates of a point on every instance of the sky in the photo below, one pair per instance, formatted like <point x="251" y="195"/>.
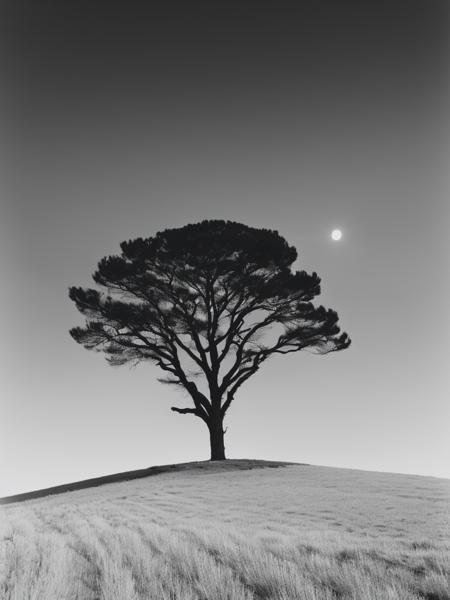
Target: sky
<point x="120" y="120"/>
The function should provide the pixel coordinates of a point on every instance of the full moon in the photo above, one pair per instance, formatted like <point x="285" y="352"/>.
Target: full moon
<point x="336" y="234"/>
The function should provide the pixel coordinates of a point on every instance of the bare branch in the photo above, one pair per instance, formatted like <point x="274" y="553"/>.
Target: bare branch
<point x="185" y="411"/>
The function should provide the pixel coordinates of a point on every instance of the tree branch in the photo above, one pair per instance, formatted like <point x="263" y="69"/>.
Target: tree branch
<point x="185" y="411"/>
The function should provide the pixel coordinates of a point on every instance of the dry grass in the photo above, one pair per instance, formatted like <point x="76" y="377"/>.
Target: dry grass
<point x="309" y="533"/>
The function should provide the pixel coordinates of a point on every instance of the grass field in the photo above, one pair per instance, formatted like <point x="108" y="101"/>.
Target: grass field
<point x="214" y="533"/>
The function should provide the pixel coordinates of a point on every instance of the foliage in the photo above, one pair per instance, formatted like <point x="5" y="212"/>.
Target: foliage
<point x="216" y="298"/>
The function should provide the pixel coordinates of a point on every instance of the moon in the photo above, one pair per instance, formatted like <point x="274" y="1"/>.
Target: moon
<point x="336" y="234"/>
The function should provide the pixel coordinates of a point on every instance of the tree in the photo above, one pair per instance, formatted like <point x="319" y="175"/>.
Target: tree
<point x="212" y="300"/>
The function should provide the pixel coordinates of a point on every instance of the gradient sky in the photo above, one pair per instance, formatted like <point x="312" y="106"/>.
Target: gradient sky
<point x="303" y="116"/>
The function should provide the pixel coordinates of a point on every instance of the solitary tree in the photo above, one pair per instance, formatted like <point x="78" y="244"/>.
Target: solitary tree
<point x="208" y="303"/>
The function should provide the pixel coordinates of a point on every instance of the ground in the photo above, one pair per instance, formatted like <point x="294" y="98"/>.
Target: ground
<point x="231" y="531"/>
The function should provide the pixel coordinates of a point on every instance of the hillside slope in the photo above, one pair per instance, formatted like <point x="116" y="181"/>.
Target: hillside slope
<point x="207" y="466"/>
<point x="233" y="532"/>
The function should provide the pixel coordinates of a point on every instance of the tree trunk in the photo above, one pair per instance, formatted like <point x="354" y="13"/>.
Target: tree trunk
<point x="216" y="435"/>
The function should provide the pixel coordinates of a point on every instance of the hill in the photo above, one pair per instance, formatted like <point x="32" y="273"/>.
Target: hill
<point x="231" y="531"/>
<point x="206" y="465"/>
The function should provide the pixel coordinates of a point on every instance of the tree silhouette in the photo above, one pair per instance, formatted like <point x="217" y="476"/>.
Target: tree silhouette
<point x="211" y="300"/>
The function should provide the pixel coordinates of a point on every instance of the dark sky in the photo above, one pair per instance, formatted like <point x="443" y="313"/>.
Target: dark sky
<point x="122" y="119"/>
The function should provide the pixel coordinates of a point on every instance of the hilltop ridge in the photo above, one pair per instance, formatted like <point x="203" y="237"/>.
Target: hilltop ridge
<point x="195" y="466"/>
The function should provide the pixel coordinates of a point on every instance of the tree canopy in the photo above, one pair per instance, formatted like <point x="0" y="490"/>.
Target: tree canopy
<point x="211" y="300"/>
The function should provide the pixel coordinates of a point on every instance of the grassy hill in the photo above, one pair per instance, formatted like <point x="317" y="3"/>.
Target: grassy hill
<point x="231" y="531"/>
<point x="245" y="464"/>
